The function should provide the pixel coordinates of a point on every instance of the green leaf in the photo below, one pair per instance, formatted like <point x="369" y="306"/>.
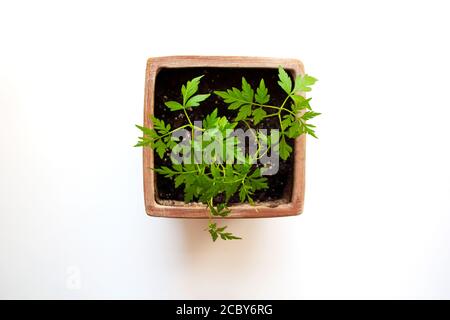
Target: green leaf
<point x="215" y="171"/>
<point x="228" y="236"/>
<point x="166" y="171"/>
<point x="309" y="115"/>
<point x="160" y="125"/>
<point x="225" y="95"/>
<point x="262" y="95"/>
<point x="295" y="130"/>
<point x="284" y="148"/>
<point x="230" y="186"/>
<point x="189" y="191"/>
<point x="219" y="232"/>
<point x="250" y="182"/>
<point x="178" y="167"/>
<point x="285" y="123"/>
<point x="143" y="142"/>
<point x="263" y="138"/>
<point x="145" y="130"/>
<point x="237" y="99"/>
<point x="304" y="83"/>
<point x="223" y="211"/>
<point x="160" y="148"/>
<point x="212" y="229"/>
<point x="179" y="180"/>
<point x="285" y="81"/>
<point x="300" y="103"/>
<point x="233" y="97"/>
<point x="256" y="181"/>
<point x="258" y="115"/>
<point x="173" y="105"/>
<point x="210" y="120"/>
<point x="243" y="193"/>
<point x="244" y="112"/>
<point x="195" y="100"/>
<point x="190" y="89"/>
<point x="309" y="129"/>
<point x="157" y="138"/>
<point x="189" y="100"/>
<point x="247" y="91"/>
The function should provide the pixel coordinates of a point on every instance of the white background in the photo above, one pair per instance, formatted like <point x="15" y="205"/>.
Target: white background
<point x="376" y="221"/>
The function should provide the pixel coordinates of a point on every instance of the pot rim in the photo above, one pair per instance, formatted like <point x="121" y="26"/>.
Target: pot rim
<point x="195" y="210"/>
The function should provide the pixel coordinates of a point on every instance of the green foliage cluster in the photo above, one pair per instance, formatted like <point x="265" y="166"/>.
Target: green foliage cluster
<point x="214" y="184"/>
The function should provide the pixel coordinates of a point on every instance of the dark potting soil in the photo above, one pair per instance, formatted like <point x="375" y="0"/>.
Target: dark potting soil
<point x="168" y="87"/>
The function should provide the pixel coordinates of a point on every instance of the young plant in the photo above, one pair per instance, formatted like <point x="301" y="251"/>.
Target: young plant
<point x="215" y="182"/>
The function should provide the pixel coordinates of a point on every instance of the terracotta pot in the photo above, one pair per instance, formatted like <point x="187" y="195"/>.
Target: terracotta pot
<point x="291" y="205"/>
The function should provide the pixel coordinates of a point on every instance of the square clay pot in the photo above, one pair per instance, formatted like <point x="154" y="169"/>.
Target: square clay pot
<point x="291" y="205"/>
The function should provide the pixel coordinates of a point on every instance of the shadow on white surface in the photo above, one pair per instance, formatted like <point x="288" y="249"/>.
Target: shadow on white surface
<point x="240" y="263"/>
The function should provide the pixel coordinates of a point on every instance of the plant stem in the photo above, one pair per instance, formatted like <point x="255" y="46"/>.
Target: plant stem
<point x="284" y="102"/>
<point x="174" y="130"/>
<point x="279" y="108"/>
<point x="187" y="117"/>
<point x="270" y="115"/>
